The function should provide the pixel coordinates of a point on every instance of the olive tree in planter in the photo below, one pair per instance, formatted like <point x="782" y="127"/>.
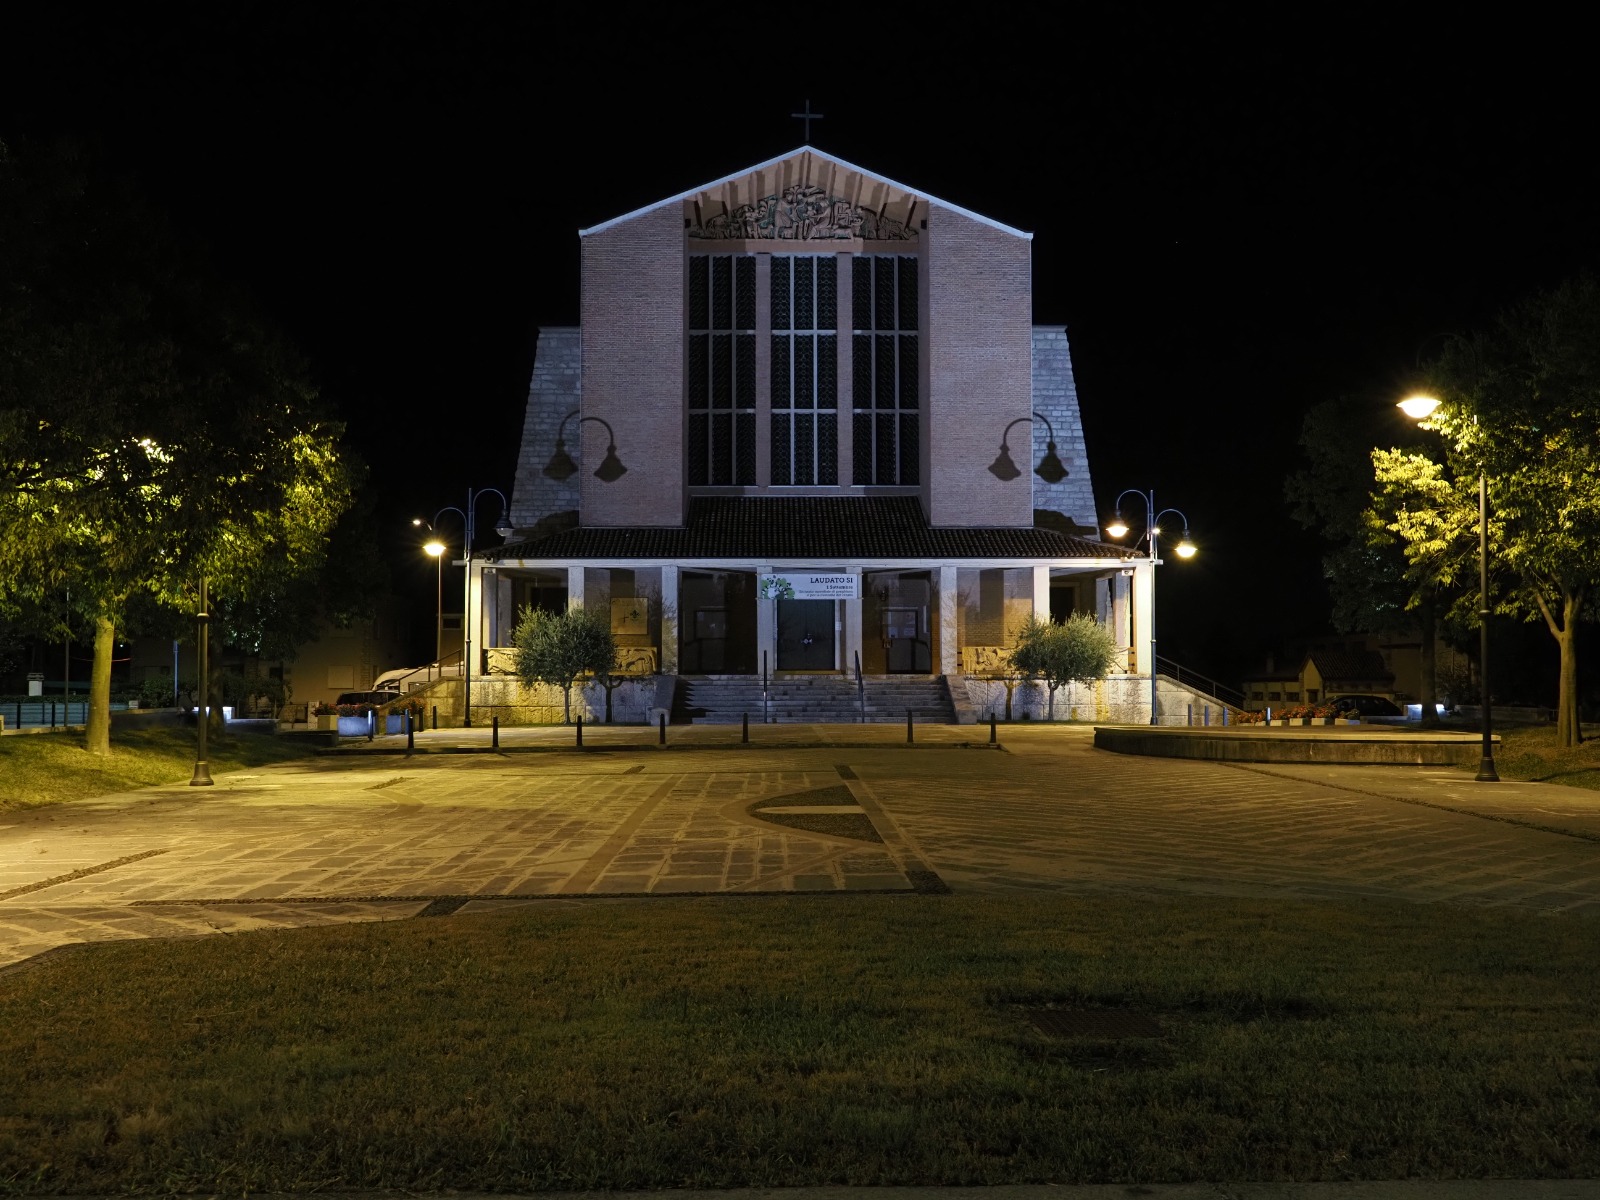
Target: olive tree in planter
<point x="1079" y="650"/>
<point x="556" y="648"/>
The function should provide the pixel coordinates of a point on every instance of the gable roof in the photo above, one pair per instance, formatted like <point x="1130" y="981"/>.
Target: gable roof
<point x="1346" y="662"/>
<point x="801" y="152"/>
<point x="826" y="528"/>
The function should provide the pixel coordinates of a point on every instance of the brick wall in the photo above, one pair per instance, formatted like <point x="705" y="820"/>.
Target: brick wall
<point x="1055" y="397"/>
<point x="979" y="328"/>
<point x="632" y="349"/>
<point x="553" y="392"/>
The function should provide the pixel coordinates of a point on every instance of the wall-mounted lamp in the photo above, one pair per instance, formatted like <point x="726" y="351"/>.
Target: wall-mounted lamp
<point x="1050" y="468"/>
<point x="562" y="467"/>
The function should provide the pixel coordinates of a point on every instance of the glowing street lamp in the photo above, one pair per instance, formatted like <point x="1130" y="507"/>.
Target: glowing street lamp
<point x="435" y="549"/>
<point x="1419" y="408"/>
<point x="1184" y="549"/>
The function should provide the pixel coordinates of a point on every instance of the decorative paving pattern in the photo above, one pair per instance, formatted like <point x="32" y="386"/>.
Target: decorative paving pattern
<point x="362" y="838"/>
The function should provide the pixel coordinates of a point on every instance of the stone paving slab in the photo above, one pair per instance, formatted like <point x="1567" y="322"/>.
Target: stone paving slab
<point x="370" y="838"/>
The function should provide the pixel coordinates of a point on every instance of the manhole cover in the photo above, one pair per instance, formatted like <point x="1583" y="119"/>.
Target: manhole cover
<point x="1093" y="1023"/>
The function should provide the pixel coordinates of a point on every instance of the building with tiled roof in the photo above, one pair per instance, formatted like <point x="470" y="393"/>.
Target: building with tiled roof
<point x="806" y="422"/>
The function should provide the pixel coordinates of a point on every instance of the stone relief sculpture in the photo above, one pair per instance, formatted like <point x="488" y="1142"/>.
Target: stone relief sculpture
<point x="803" y="213"/>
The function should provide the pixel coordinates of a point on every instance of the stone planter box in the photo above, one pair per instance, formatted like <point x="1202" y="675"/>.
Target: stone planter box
<point x="354" y="726"/>
<point x="394" y="723"/>
<point x="326" y="721"/>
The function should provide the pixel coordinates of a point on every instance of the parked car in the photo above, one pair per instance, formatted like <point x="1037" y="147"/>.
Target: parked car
<point x="1365" y="706"/>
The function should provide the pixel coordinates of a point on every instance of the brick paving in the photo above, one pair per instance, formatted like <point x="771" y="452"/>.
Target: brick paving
<point x="376" y="836"/>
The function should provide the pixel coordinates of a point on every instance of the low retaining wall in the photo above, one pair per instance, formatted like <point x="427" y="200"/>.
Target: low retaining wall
<point x="1114" y="698"/>
<point x="1296" y="745"/>
<point x="504" y="696"/>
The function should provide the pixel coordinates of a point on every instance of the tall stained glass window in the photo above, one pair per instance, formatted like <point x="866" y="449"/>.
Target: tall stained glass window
<point x="805" y="369"/>
<point x="722" y="369"/>
<point x="885" y="370"/>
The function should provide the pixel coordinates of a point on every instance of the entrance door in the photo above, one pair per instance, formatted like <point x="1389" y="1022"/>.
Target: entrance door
<point x="905" y="641"/>
<point x="805" y="635"/>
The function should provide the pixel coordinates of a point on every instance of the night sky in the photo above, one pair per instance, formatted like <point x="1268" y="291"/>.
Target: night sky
<point x="1234" y="220"/>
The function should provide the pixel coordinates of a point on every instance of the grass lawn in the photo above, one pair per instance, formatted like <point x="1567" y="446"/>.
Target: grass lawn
<point x="47" y="768"/>
<point x="807" y="1040"/>
<point x="1530" y="752"/>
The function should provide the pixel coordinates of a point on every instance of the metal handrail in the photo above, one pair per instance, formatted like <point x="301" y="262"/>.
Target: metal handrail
<point x="1188" y="678"/>
<point x="861" y="691"/>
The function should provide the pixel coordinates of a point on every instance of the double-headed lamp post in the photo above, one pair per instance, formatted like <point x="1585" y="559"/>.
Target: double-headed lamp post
<point x="1419" y="408"/>
<point x="1184" y="549"/>
<point x="503" y="528"/>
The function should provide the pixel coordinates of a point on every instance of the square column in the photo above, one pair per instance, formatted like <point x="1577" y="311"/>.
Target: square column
<point x="766" y="629"/>
<point x="1041" y="594"/>
<point x="574" y="587"/>
<point x="850" y="635"/>
<point x="949" y="650"/>
<point x="669" y="620"/>
<point x="1142" y="659"/>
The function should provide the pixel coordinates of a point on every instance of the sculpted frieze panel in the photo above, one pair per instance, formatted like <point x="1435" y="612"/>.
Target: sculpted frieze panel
<point x="802" y="213"/>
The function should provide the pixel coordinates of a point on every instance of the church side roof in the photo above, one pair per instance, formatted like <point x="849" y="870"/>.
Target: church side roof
<point x="732" y="176"/>
<point x="820" y="527"/>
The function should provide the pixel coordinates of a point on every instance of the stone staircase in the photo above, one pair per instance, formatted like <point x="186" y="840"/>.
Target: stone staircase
<point x="813" y="699"/>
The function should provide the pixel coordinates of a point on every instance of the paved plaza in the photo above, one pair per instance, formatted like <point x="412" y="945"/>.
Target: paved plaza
<point x="381" y="835"/>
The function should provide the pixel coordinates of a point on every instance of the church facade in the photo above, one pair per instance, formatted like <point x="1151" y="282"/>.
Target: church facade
<point x="806" y="424"/>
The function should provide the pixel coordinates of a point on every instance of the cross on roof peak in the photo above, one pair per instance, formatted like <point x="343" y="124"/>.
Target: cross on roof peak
<point x="807" y="116"/>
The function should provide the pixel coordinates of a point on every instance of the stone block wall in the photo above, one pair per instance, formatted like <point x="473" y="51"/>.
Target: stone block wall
<point x="1055" y="397"/>
<point x="553" y="391"/>
<point x="505" y="697"/>
<point x="1117" y="699"/>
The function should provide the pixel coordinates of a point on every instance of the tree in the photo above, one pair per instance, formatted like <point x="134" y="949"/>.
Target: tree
<point x="1079" y="650"/>
<point x="556" y="648"/>
<point x="1521" y="408"/>
<point x="152" y="429"/>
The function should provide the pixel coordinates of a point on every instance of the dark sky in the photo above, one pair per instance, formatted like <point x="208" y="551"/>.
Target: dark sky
<point x="1234" y="219"/>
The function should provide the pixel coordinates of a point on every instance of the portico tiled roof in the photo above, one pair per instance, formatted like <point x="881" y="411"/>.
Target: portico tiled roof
<point x="816" y="527"/>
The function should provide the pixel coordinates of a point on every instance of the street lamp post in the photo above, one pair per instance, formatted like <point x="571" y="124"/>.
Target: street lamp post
<point x="1184" y="549"/>
<point x="1419" y="408"/>
<point x="435" y="549"/>
<point x="503" y="528"/>
<point x="202" y="766"/>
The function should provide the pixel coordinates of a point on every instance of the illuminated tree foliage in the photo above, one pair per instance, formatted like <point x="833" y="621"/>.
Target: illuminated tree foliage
<point x="556" y="648"/>
<point x="151" y="429"/>
<point x="1078" y="650"/>
<point x="1521" y="404"/>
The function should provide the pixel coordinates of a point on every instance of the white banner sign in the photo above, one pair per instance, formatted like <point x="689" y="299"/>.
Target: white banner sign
<point x="810" y="587"/>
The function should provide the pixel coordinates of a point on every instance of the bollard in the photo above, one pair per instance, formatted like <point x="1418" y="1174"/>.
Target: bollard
<point x="908" y="727"/>
<point x="1188" y="714"/>
<point x="52" y="715"/>
<point x="372" y="723"/>
<point x="580" y="731"/>
<point x="992" y="739"/>
<point x="1224" y="718"/>
<point x="1206" y="717"/>
<point x="435" y="716"/>
<point x="662" y="739"/>
<point x="411" y="740"/>
<point x="494" y="732"/>
<point x="744" y="727"/>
